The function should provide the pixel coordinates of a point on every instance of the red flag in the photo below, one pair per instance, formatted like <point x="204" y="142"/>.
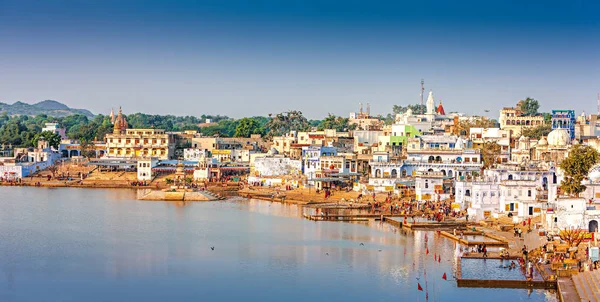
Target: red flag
<point x="419" y="288"/>
<point x="439" y="258"/>
<point x="427" y="251"/>
<point x="444" y="277"/>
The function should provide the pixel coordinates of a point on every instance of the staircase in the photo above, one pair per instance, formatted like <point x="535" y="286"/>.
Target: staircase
<point x="212" y="195"/>
<point x="587" y="285"/>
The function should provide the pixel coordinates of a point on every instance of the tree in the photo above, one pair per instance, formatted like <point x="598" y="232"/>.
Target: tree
<point x="88" y="149"/>
<point x="576" y="167"/>
<point x="489" y="153"/>
<point x="285" y="122"/>
<point x="52" y="138"/>
<point x="247" y="126"/>
<point x="538" y="131"/>
<point x="464" y="127"/>
<point x="416" y="109"/>
<point x="547" y="117"/>
<point x="573" y="237"/>
<point x="53" y="170"/>
<point x="529" y="106"/>
<point x="334" y="122"/>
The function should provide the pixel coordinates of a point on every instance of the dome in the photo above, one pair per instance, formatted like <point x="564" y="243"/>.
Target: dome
<point x="522" y="138"/>
<point x="559" y="138"/>
<point x="594" y="175"/>
<point x="409" y="111"/>
<point x="543" y="142"/>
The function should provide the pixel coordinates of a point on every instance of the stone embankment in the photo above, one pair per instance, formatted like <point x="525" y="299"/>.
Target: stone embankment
<point x="177" y="195"/>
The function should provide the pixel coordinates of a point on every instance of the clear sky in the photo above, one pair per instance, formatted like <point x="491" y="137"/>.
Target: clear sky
<point x="242" y="58"/>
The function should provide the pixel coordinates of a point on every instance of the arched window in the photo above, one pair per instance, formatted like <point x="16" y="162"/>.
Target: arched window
<point x="510" y="177"/>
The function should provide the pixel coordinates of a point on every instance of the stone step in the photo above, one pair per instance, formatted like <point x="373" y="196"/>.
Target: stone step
<point x="580" y="288"/>
<point x="589" y="286"/>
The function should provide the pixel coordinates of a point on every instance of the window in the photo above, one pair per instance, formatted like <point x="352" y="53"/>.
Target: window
<point x="528" y="193"/>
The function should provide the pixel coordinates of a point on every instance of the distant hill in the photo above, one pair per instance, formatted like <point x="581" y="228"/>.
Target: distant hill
<point x="48" y="107"/>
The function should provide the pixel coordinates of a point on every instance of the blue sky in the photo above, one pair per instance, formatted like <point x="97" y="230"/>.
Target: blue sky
<point x="243" y="58"/>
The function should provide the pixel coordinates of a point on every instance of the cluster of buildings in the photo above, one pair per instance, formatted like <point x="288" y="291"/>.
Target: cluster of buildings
<point x="420" y="154"/>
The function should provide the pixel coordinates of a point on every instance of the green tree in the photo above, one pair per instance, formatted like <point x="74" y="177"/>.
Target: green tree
<point x="576" y="167"/>
<point x="529" y="106"/>
<point x="285" y="122"/>
<point x="538" y="131"/>
<point x="52" y="138"/>
<point x="334" y="122"/>
<point x="416" y="109"/>
<point x="247" y="126"/>
<point x="547" y="117"/>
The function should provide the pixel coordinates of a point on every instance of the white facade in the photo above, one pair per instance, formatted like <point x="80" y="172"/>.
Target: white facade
<point x="193" y="154"/>
<point x="144" y="168"/>
<point x="480" y="198"/>
<point x="54" y="128"/>
<point x="276" y="166"/>
<point x="430" y="186"/>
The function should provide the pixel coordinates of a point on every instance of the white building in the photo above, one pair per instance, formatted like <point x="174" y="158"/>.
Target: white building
<point x="522" y="191"/>
<point x="429" y="186"/>
<point x="54" y="128"/>
<point x="193" y="154"/>
<point x="144" y="168"/>
<point x="276" y="165"/>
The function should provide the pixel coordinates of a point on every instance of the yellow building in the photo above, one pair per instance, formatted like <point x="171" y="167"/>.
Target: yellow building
<point x="133" y="143"/>
<point x="513" y="120"/>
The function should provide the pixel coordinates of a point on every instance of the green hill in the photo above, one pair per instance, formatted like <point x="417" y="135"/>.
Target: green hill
<point x="48" y="107"/>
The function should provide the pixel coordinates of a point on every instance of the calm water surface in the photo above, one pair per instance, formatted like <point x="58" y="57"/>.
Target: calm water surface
<point x="103" y="245"/>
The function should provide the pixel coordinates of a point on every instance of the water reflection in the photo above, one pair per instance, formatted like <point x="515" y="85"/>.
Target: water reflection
<point x="67" y="243"/>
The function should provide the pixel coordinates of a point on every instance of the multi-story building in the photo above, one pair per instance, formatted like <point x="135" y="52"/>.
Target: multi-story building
<point x="521" y="190"/>
<point x="135" y="143"/>
<point x="564" y="119"/>
<point x="311" y="159"/>
<point x="480" y="136"/>
<point x="513" y="120"/>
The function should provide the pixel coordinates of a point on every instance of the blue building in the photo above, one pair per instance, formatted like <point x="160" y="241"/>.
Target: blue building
<point x="564" y="119"/>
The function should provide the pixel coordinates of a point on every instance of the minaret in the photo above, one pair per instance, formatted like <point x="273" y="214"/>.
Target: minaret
<point x="422" y="91"/>
<point x="430" y="103"/>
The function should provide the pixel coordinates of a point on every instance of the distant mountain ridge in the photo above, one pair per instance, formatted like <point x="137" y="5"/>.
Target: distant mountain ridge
<point x="48" y="107"/>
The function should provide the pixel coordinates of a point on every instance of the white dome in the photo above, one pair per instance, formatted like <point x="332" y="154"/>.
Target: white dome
<point x="522" y="138"/>
<point x="594" y="175"/>
<point x="409" y="111"/>
<point x="543" y="142"/>
<point x="559" y="137"/>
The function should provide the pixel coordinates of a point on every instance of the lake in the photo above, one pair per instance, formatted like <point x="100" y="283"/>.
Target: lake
<point x="72" y="244"/>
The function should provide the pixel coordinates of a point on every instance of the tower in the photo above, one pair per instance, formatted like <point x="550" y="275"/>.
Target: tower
<point x="430" y="103"/>
<point x="422" y="91"/>
<point x="112" y="116"/>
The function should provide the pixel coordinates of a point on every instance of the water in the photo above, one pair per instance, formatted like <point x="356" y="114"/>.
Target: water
<point x="102" y="245"/>
<point x="489" y="269"/>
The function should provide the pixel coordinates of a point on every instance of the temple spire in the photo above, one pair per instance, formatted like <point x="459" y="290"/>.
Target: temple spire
<point x="430" y="103"/>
